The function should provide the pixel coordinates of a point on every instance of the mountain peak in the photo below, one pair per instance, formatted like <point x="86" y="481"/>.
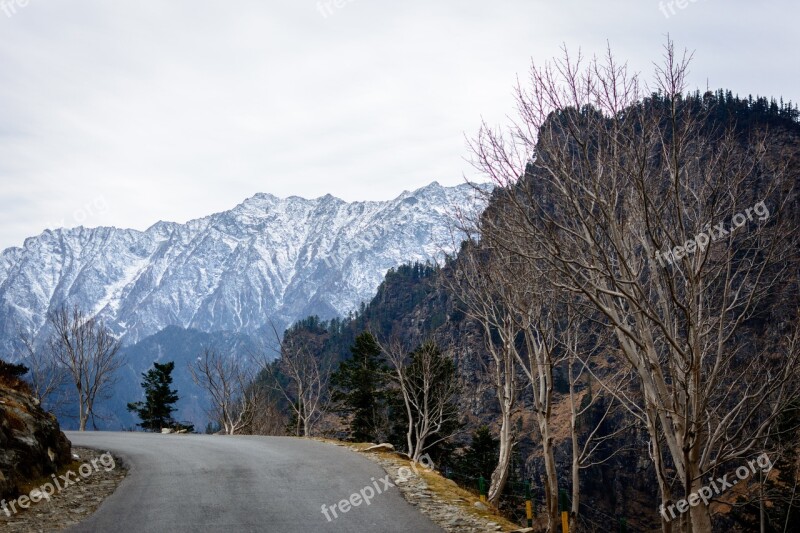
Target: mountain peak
<point x="267" y="259"/>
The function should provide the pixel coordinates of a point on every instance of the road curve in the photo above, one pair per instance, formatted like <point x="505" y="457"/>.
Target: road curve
<point x="208" y="483"/>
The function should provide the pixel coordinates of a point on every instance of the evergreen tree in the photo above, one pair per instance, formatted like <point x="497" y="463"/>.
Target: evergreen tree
<point x="480" y="457"/>
<point x="359" y="389"/>
<point x="156" y="411"/>
<point x="12" y="371"/>
<point x="11" y="375"/>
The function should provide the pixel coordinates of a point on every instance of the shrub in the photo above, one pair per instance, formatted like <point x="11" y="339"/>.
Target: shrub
<point x="11" y="374"/>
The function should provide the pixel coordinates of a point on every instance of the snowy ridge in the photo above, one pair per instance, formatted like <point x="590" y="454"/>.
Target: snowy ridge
<point x="265" y="259"/>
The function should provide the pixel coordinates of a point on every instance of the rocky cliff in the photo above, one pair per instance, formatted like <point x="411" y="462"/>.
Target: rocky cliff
<point x="31" y="442"/>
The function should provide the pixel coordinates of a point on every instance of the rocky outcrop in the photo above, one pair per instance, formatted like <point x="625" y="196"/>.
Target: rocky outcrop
<point x="32" y="445"/>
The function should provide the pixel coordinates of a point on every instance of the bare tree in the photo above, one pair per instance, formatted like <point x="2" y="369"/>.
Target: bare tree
<point x="504" y="292"/>
<point x="268" y="419"/>
<point x="229" y="384"/>
<point x="88" y="351"/>
<point x="301" y="375"/>
<point x="428" y="385"/>
<point x="473" y="284"/>
<point x="634" y="205"/>
<point x="580" y="339"/>
<point x="47" y="378"/>
<point x="538" y="358"/>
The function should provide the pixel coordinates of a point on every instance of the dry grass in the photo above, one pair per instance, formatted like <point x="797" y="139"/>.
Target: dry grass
<point x="29" y="485"/>
<point x="15" y="384"/>
<point x="448" y="490"/>
<point x="445" y="489"/>
<point x="357" y="446"/>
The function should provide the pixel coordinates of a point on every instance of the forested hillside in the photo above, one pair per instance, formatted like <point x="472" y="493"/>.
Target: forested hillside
<point x="497" y="298"/>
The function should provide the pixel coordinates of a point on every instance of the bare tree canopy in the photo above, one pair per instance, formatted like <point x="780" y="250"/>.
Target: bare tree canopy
<point x="228" y="381"/>
<point x="677" y="234"/>
<point x="90" y="354"/>
<point x="477" y="286"/>
<point x="301" y="375"/>
<point x="428" y="385"/>
<point x="47" y="377"/>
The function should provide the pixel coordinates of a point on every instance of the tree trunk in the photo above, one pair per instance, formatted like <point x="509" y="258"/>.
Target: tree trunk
<point x="576" y="453"/>
<point x="699" y="515"/>
<point x="83" y="415"/>
<point x="576" y="479"/>
<point x="700" y="518"/>
<point x="410" y="433"/>
<point x="500" y="474"/>
<point x="551" y="481"/>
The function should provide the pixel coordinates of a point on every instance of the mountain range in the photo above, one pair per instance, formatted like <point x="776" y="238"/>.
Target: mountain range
<point x="266" y="261"/>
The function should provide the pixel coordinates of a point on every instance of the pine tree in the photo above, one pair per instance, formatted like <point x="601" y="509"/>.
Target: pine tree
<point x="156" y="411"/>
<point x="12" y="371"/>
<point x="481" y="456"/>
<point x="11" y="375"/>
<point x="359" y="389"/>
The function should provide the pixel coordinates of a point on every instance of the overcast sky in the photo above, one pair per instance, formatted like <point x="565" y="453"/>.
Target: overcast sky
<point x="123" y="113"/>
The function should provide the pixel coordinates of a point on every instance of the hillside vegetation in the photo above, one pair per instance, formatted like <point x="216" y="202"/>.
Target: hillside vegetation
<point x="692" y="362"/>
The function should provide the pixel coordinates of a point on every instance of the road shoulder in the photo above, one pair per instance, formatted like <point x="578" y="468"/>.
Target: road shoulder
<point x="78" y="490"/>
<point x="441" y="500"/>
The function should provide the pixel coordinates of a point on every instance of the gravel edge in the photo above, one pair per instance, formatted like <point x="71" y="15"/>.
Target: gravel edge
<point x="449" y="510"/>
<point x="73" y="503"/>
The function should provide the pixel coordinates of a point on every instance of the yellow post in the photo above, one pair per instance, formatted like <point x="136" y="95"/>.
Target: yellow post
<point x="482" y="488"/>
<point x="528" y="503"/>
<point x="563" y="505"/>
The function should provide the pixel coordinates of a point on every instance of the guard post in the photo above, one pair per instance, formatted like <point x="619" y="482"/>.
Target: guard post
<point x="528" y="504"/>
<point x="563" y="504"/>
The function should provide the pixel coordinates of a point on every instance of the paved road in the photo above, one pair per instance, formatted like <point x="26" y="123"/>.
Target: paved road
<point x="205" y="483"/>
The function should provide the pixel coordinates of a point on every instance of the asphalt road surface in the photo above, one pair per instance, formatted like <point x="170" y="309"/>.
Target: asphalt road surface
<point x="199" y="483"/>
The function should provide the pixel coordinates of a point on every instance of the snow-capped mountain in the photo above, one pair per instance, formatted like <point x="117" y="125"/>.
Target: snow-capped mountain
<point x="266" y="259"/>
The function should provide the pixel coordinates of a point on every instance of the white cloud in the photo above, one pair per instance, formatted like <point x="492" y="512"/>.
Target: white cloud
<point x="173" y="110"/>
